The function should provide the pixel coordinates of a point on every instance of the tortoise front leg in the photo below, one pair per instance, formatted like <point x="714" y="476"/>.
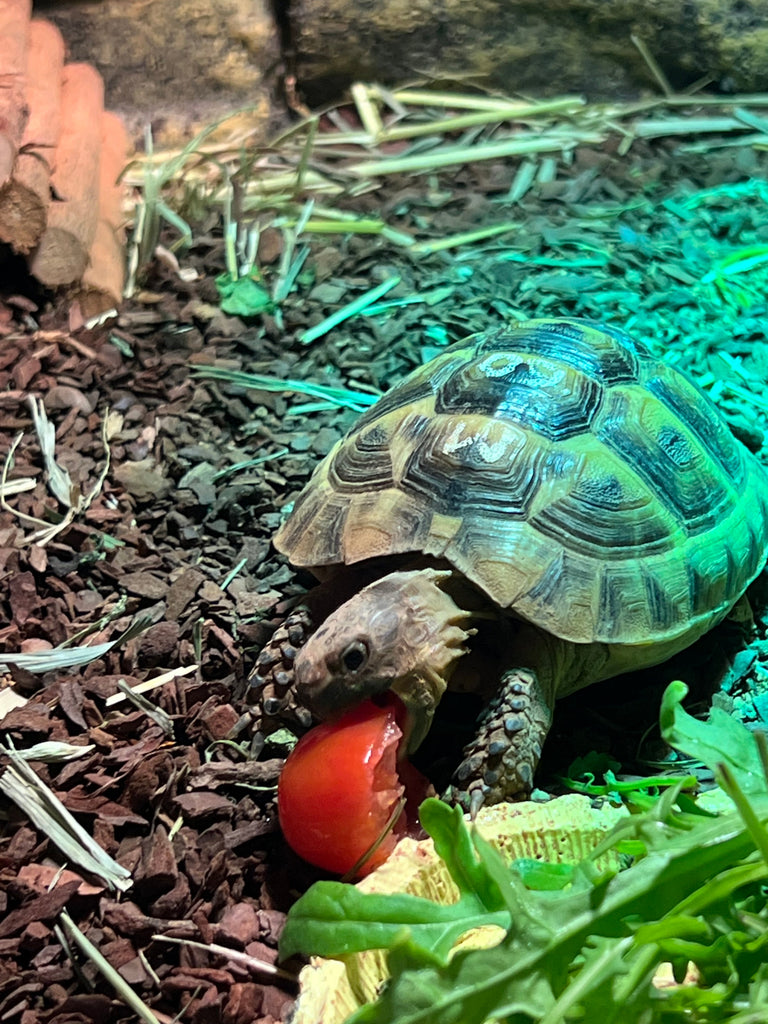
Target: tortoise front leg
<point x="499" y="763"/>
<point x="271" y="682"/>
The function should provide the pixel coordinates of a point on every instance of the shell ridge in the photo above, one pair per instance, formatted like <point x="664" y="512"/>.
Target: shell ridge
<point x="573" y="477"/>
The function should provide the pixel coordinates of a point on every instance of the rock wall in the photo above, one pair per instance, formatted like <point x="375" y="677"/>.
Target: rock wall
<point x="179" y="63"/>
<point x="546" y="46"/>
<point x="176" y="64"/>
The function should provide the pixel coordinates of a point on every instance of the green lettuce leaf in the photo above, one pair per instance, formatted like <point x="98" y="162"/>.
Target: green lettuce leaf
<point x="580" y="944"/>
<point x="334" y="919"/>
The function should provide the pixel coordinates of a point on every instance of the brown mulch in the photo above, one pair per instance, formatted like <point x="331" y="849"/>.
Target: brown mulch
<point x="179" y="535"/>
<point x="187" y="813"/>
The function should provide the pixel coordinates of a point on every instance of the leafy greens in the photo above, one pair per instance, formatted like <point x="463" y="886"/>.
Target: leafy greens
<point x="581" y="944"/>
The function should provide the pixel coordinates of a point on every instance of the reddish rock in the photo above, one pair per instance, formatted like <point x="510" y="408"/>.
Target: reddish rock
<point x="238" y="926"/>
<point x="275" y="1002"/>
<point x="118" y="952"/>
<point x="156" y="871"/>
<point x="175" y="903"/>
<point x="244" y="1003"/>
<point x="159" y="642"/>
<point x="219" y="720"/>
<point x="34" y="936"/>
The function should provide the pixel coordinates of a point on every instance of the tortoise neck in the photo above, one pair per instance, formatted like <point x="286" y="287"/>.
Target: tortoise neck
<point x="435" y="632"/>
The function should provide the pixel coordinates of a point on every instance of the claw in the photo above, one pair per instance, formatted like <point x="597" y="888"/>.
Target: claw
<point x="500" y="761"/>
<point x="476" y="801"/>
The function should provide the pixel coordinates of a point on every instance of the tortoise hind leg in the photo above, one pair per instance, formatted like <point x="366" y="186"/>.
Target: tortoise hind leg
<point x="500" y="761"/>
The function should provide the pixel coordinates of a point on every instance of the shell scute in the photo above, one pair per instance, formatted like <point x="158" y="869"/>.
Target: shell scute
<point x="659" y="447"/>
<point x="554" y="400"/>
<point x="562" y="469"/>
<point x="677" y="392"/>
<point x="601" y="353"/>
<point x="475" y="464"/>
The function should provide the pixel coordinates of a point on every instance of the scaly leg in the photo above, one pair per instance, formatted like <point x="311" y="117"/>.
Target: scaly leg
<point x="271" y="683"/>
<point x="500" y="761"/>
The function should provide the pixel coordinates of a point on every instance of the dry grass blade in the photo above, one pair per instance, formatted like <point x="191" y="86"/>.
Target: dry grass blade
<point x="664" y="126"/>
<point x="52" y="752"/>
<point x="359" y="305"/>
<point x="452" y="156"/>
<point x="235" y="955"/>
<point x="747" y="396"/>
<point x="754" y="99"/>
<point x="59" y="479"/>
<point x="752" y="120"/>
<point x="10" y="487"/>
<point x="152" y="684"/>
<point x="367" y="110"/>
<point x="20" y="784"/>
<point x="341" y="397"/>
<point x="56" y="659"/>
<point x="502" y="104"/>
<point x="465" y="238"/>
<point x="121" y="987"/>
<point x="158" y="716"/>
<point x="653" y="65"/>
<point x="69" y="657"/>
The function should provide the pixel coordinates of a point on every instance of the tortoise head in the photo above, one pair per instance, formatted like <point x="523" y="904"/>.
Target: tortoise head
<point x="402" y="633"/>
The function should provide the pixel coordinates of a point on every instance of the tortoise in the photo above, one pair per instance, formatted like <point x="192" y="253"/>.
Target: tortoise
<point x="540" y="507"/>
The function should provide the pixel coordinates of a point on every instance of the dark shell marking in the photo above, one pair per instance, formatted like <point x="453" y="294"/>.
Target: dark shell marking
<point x="570" y="475"/>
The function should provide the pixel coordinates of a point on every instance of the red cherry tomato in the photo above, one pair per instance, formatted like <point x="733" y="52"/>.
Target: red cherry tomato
<point x="340" y="786"/>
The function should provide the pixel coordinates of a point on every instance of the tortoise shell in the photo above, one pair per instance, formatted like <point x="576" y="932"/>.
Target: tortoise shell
<point x="565" y="471"/>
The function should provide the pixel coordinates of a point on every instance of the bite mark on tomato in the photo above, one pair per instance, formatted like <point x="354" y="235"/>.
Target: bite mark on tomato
<point x="341" y="784"/>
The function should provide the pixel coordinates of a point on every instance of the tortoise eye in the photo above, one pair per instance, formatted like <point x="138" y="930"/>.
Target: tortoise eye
<point x="355" y="655"/>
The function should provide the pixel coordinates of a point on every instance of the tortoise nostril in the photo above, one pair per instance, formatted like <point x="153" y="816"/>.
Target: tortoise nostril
<point x="307" y="675"/>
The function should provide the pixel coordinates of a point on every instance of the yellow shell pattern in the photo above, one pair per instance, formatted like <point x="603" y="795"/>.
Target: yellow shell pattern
<point x="572" y="477"/>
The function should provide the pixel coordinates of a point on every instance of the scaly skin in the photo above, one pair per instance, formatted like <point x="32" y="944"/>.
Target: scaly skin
<point x="271" y="683"/>
<point x="403" y="632"/>
<point x="501" y="759"/>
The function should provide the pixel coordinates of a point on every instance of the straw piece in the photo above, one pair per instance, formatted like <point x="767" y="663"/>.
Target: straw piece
<point x="359" y="305"/>
<point x="339" y="397"/>
<point x="666" y="126"/>
<point x="108" y="972"/>
<point x="465" y="238"/>
<point x="450" y="156"/>
<point x="56" y="659"/>
<point x="503" y="104"/>
<point x="44" y="809"/>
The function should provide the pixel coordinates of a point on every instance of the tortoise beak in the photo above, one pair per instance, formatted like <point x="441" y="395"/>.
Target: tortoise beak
<point x="419" y="711"/>
<point x="316" y="689"/>
<point x="326" y="694"/>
